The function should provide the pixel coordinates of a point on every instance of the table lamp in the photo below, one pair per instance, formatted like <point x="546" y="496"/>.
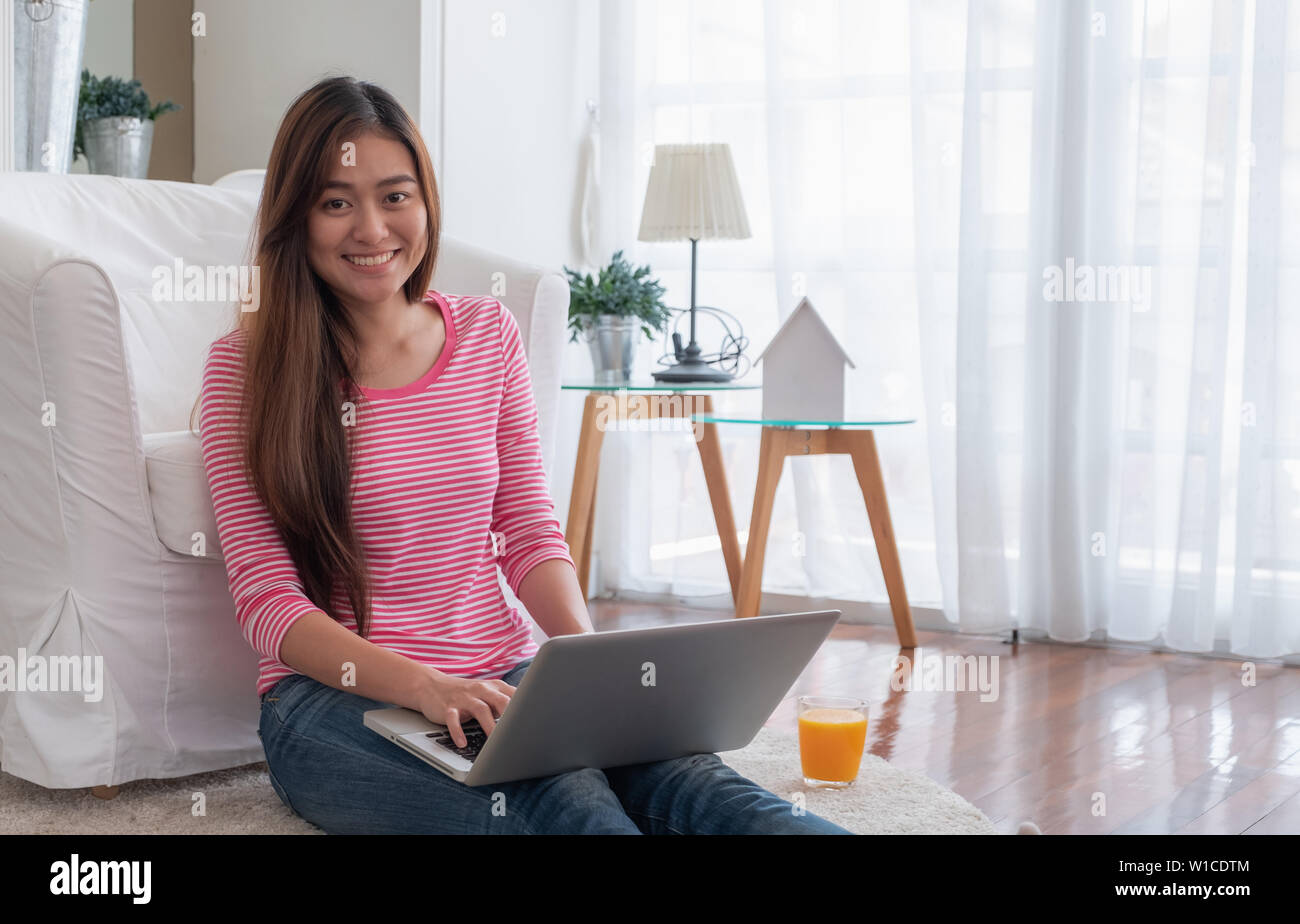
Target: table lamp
<point x="692" y="194"/>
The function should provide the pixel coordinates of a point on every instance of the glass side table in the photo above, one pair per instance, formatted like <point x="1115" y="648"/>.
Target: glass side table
<point x="855" y="438"/>
<point x="616" y="404"/>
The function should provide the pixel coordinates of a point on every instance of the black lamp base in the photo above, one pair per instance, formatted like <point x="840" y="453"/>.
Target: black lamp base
<point x="692" y="370"/>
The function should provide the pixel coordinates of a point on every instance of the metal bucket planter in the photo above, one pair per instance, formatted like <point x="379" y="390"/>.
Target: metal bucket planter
<point x="118" y="145"/>
<point x="49" y="38"/>
<point x="613" y="341"/>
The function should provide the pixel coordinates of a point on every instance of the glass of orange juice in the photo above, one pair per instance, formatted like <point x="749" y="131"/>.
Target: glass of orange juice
<point x="832" y="735"/>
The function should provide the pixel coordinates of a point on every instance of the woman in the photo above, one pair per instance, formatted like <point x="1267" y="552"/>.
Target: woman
<point x="372" y="452"/>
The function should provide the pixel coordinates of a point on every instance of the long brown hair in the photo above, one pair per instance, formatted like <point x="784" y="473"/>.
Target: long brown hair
<point x="301" y="344"/>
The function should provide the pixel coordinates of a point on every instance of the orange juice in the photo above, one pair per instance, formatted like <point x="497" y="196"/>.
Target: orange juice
<point x="831" y="742"/>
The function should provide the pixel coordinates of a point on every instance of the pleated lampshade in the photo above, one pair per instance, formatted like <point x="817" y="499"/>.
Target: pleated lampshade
<point x="693" y="193"/>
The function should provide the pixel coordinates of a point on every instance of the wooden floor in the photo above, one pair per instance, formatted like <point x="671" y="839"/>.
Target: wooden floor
<point x="1079" y="740"/>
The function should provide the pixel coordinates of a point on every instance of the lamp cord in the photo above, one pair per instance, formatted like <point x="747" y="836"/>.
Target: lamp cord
<point x="730" y="354"/>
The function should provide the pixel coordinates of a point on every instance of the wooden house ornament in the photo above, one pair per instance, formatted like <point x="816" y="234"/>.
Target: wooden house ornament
<point x="803" y="369"/>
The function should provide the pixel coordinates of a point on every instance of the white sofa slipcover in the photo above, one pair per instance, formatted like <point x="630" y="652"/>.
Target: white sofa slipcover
<point x="102" y="482"/>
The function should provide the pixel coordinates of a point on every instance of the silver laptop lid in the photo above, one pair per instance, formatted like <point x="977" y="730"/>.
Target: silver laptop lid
<point x="636" y="695"/>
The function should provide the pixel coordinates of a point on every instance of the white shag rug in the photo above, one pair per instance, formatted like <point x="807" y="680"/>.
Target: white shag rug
<point x="883" y="800"/>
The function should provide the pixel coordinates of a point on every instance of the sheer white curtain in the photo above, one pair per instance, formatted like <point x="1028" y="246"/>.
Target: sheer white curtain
<point x="1061" y="235"/>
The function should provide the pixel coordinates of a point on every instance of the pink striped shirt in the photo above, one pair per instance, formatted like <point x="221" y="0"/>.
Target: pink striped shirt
<point x="440" y="466"/>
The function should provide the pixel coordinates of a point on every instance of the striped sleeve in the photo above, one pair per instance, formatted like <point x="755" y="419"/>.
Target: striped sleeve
<point x="522" y="510"/>
<point x="263" y="579"/>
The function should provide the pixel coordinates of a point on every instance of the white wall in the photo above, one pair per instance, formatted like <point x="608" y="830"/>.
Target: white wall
<point x="109" y="35"/>
<point x="258" y="56"/>
<point x="517" y="76"/>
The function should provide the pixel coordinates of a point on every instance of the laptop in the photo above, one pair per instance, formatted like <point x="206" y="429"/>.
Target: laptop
<point x="626" y="696"/>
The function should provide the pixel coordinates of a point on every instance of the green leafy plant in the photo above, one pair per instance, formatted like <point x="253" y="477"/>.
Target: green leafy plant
<point x="619" y="290"/>
<point x="102" y="97"/>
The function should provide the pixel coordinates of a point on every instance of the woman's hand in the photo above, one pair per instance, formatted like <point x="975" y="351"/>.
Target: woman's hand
<point x="448" y="700"/>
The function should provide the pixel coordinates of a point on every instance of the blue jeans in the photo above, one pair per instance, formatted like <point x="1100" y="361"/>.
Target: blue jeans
<point x="331" y="770"/>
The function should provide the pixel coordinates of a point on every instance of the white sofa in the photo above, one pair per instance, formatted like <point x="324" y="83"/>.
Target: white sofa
<point x="102" y="484"/>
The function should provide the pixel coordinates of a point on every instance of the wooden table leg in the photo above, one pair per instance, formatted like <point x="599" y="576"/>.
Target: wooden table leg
<point x="866" y="463"/>
<point x="582" y="498"/>
<point x="715" y="476"/>
<point x="771" y="459"/>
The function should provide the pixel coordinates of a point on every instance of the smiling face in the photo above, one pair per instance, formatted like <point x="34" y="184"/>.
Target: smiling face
<point x="368" y="229"/>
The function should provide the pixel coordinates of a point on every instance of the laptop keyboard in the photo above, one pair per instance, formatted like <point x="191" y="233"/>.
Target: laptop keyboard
<point x="475" y="738"/>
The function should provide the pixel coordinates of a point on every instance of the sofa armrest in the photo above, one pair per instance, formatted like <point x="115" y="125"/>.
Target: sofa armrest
<point x="73" y="495"/>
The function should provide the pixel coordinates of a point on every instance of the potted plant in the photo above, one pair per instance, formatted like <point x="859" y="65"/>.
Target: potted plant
<point x="608" y="310"/>
<point x="115" y="125"/>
